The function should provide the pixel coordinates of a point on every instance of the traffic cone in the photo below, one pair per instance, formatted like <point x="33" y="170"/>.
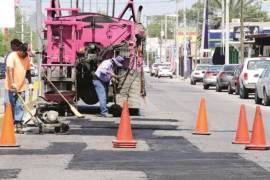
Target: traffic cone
<point x="124" y="134"/>
<point x="258" y="141"/>
<point x="202" y="126"/>
<point x="8" y="138"/>
<point x="242" y="136"/>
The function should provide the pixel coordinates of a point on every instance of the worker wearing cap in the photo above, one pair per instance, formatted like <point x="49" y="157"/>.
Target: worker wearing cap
<point x="103" y="75"/>
<point x="18" y="69"/>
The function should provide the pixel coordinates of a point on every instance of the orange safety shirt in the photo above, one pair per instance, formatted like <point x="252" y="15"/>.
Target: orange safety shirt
<point x="19" y="67"/>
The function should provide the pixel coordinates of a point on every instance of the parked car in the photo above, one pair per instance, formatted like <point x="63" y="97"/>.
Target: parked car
<point x="161" y="65"/>
<point x="153" y="69"/>
<point x="234" y="85"/>
<point x="224" y="76"/>
<point x="262" y="88"/>
<point x="210" y="76"/>
<point x="165" y="71"/>
<point x="198" y="73"/>
<point x="253" y="68"/>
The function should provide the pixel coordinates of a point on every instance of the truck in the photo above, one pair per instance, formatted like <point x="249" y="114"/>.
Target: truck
<point x="76" y="42"/>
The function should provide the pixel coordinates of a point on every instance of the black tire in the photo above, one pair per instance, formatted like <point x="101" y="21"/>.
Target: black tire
<point x="205" y="86"/>
<point x="218" y="88"/>
<point x="257" y="99"/>
<point x="171" y="77"/>
<point x="266" y="100"/>
<point x="243" y="93"/>
<point x="158" y="76"/>
<point x="230" y="90"/>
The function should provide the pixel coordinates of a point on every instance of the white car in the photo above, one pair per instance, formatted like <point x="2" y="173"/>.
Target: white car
<point x="153" y="69"/>
<point x="253" y="68"/>
<point x="165" y="71"/>
<point x="198" y="73"/>
<point x="262" y="90"/>
<point x="146" y="69"/>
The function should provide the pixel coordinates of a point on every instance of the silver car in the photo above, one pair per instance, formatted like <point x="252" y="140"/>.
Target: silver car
<point x="210" y="76"/>
<point x="262" y="88"/>
<point x="198" y="73"/>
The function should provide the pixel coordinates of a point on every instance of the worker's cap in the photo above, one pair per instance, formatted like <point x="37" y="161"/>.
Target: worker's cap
<point x="23" y="47"/>
<point x="118" y="61"/>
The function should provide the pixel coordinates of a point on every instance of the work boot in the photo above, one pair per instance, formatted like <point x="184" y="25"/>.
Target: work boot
<point x="18" y="128"/>
<point x="106" y="115"/>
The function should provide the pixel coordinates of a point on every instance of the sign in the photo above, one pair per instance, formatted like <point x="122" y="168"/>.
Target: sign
<point x="248" y="30"/>
<point x="7" y="14"/>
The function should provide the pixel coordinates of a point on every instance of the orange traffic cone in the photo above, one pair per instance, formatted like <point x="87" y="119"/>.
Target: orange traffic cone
<point x="202" y="126"/>
<point x="124" y="134"/>
<point x="242" y="136"/>
<point x="8" y="138"/>
<point x="258" y="141"/>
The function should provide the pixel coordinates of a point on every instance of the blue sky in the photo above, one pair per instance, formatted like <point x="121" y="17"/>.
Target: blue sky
<point x="151" y="7"/>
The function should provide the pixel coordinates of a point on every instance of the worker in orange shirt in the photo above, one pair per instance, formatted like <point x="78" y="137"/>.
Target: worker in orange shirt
<point x="17" y="70"/>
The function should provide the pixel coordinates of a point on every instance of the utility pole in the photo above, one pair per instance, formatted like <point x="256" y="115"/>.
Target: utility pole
<point x="197" y="31"/>
<point x="71" y="3"/>
<point x="39" y="39"/>
<point x="77" y="3"/>
<point x="227" y="46"/>
<point x="176" y="42"/>
<point x="82" y="5"/>
<point x="222" y="25"/>
<point x="22" y="29"/>
<point x="242" y="33"/>
<point x="113" y="9"/>
<point x="185" y="43"/>
<point x="166" y="32"/>
<point x="107" y="12"/>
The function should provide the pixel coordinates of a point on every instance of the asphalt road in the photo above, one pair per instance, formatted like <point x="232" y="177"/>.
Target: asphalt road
<point x="166" y="147"/>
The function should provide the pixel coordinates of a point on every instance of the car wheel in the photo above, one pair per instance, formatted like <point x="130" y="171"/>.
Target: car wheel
<point x="171" y="77"/>
<point x="230" y="90"/>
<point x="205" y="86"/>
<point x="257" y="99"/>
<point x="191" y="82"/>
<point x="218" y="88"/>
<point x="266" y="100"/>
<point x="243" y="93"/>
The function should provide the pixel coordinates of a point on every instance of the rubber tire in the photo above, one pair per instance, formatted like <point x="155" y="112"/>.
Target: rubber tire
<point x="171" y="77"/>
<point x="257" y="99"/>
<point x="158" y="76"/>
<point x="230" y="90"/>
<point x="266" y="99"/>
<point x="205" y="86"/>
<point x="218" y="88"/>
<point x="243" y="93"/>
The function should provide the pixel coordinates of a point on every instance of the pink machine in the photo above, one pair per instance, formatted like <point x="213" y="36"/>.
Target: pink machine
<point x="78" y="41"/>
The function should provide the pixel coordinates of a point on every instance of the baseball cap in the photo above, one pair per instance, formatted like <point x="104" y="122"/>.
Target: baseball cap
<point x="118" y="61"/>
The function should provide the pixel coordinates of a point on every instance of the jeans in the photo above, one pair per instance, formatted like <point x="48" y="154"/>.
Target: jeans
<point x="102" y="95"/>
<point x="16" y="104"/>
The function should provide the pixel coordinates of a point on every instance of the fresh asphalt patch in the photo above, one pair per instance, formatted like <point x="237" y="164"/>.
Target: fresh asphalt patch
<point x="9" y="173"/>
<point x="172" y="158"/>
<point x="169" y="157"/>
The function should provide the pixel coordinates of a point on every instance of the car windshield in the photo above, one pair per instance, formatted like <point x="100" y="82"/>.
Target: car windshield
<point x="215" y="68"/>
<point x="199" y="68"/>
<point x="229" y="67"/>
<point x="261" y="64"/>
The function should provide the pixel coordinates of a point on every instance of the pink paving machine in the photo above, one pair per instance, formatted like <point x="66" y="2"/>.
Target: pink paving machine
<point x="76" y="42"/>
